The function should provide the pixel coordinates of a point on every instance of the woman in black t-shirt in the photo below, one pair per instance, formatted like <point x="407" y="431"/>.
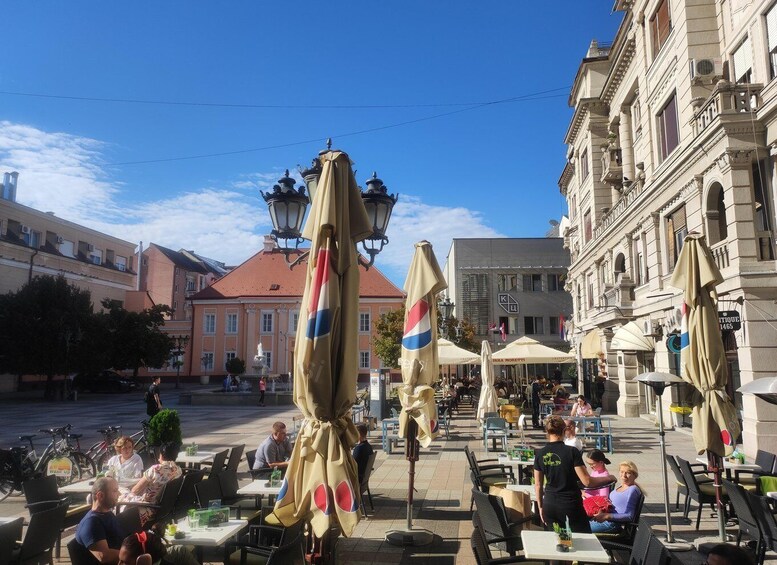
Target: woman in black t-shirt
<point x="562" y="466"/>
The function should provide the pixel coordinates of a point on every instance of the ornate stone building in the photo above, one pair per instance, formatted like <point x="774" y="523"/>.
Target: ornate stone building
<point x="674" y="131"/>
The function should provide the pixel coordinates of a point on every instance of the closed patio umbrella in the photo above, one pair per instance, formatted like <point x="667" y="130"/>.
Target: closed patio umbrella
<point x="703" y="357"/>
<point x="418" y="418"/>
<point x="321" y="482"/>
<point x="487" y="401"/>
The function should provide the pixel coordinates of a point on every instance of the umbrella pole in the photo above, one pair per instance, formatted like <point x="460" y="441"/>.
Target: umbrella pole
<point x="410" y="536"/>
<point x="714" y="464"/>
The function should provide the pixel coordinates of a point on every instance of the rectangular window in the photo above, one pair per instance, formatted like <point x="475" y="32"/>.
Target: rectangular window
<point x="32" y="239"/>
<point x="506" y="282"/>
<point x="742" y="59"/>
<point x="121" y="263"/>
<point x="636" y="118"/>
<point x="584" y="165"/>
<point x="267" y="318"/>
<point x="668" y="129"/>
<point x="229" y="356"/>
<point x="268" y="359"/>
<point x="364" y="322"/>
<point x="293" y="321"/>
<point x="66" y="248"/>
<point x="660" y="26"/>
<point x="191" y="284"/>
<point x="555" y="283"/>
<point x="587" y="229"/>
<point x="231" y="324"/>
<point x="590" y="281"/>
<point x="96" y="257"/>
<point x="364" y="359"/>
<point x="676" y="230"/>
<point x="532" y="283"/>
<point x="209" y="324"/>
<point x="771" y="38"/>
<point x="533" y="325"/>
<point x="554" y="325"/>
<point x="207" y="361"/>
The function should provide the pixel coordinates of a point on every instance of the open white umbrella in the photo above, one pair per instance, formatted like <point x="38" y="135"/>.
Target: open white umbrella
<point x="487" y="401"/>
<point x="528" y="350"/>
<point x="450" y="354"/>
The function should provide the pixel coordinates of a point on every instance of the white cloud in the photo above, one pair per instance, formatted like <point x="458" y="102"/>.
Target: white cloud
<point x="63" y="173"/>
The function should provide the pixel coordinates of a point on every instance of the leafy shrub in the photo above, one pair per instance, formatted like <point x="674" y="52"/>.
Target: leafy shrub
<point x="165" y="427"/>
<point x="235" y="366"/>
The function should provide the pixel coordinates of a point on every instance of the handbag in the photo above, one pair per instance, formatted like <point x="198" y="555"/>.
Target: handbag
<point x="595" y="504"/>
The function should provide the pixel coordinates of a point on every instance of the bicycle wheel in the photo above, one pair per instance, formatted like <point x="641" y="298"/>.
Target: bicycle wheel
<point x="6" y="487"/>
<point x="85" y="463"/>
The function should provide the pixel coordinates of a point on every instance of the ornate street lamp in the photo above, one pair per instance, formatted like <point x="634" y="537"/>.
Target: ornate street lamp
<point x="446" y="308"/>
<point x="180" y="346"/>
<point x="287" y="211"/>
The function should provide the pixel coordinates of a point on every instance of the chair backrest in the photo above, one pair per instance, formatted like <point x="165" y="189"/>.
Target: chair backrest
<point x="656" y="554"/>
<point x="207" y="490"/>
<point x="487" y="415"/>
<point x="167" y="498"/>
<point x="479" y="547"/>
<point x="765" y="460"/>
<point x="43" y="532"/>
<point x="79" y="555"/>
<point x="41" y="489"/>
<point x="639" y="549"/>
<point x="10" y="532"/>
<point x="218" y="462"/>
<point x="292" y="553"/>
<point x="187" y="496"/>
<point x="235" y="455"/>
<point x="741" y="504"/>
<point x="365" y="482"/>
<point x="492" y="514"/>
<point x="250" y="460"/>
<point x="228" y="483"/>
<point x="762" y="512"/>
<point x="688" y="476"/>
<point x="678" y="475"/>
<point x="129" y="518"/>
<point x="496" y="424"/>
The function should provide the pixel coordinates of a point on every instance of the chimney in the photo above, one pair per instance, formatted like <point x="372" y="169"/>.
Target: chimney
<point x="8" y="191"/>
<point x="269" y="244"/>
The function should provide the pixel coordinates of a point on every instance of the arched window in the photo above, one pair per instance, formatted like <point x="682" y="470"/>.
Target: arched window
<point x="717" y="225"/>
<point x="620" y="265"/>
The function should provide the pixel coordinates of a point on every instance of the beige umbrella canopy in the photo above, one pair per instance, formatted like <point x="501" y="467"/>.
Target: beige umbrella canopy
<point x="321" y="482"/>
<point x="450" y="354"/>
<point x="487" y="401"/>
<point x="527" y="350"/>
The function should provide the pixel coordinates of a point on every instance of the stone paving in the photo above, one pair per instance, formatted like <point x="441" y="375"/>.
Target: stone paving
<point x="442" y="478"/>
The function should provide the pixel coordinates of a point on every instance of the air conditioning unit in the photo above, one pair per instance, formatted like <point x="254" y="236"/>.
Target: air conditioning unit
<point x="647" y="328"/>
<point x="25" y="229"/>
<point x="60" y="240"/>
<point x="706" y="68"/>
<point x="89" y="247"/>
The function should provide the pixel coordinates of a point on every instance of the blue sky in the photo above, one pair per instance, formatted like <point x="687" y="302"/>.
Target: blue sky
<point x="483" y="171"/>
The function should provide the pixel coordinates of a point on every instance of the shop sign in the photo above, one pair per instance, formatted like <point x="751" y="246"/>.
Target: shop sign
<point x="729" y="320"/>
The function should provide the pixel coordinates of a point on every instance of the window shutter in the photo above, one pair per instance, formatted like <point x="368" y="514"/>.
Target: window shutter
<point x="670" y="252"/>
<point x="663" y="21"/>
<point x="771" y="27"/>
<point x="678" y="219"/>
<point x="743" y="60"/>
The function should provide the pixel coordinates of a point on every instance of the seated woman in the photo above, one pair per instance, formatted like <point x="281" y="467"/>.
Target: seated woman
<point x="570" y="435"/>
<point x="126" y="464"/>
<point x="150" y="487"/>
<point x="598" y="462"/>
<point x="624" y="501"/>
<point x="582" y="408"/>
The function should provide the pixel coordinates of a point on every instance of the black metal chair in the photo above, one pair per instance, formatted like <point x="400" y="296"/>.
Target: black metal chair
<point x="702" y="492"/>
<point x="254" y="548"/>
<point x="624" y="539"/>
<point x="79" y="555"/>
<point x="42" y="493"/>
<point x="41" y="536"/>
<point x="10" y="533"/>
<point x="682" y="488"/>
<point x="364" y="485"/>
<point x="748" y="523"/>
<point x="187" y="496"/>
<point x="482" y="552"/>
<point x="235" y="456"/>
<point x="639" y="551"/>
<point x="748" y="479"/>
<point x="497" y="528"/>
<point x="217" y="465"/>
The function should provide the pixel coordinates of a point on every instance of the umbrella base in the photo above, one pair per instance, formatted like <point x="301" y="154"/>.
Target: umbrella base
<point x="677" y="545"/>
<point x="409" y="537"/>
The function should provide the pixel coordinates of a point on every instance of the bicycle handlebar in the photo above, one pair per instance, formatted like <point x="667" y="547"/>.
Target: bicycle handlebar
<point x="57" y="431"/>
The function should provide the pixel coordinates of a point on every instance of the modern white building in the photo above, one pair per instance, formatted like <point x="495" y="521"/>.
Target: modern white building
<point x="675" y="131"/>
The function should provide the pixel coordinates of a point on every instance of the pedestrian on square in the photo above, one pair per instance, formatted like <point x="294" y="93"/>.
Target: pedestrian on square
<point x="562" y="467"/>
<point x="153" y="402"/>
<point x="274" y="452"/>
<point x="262" y="389"/>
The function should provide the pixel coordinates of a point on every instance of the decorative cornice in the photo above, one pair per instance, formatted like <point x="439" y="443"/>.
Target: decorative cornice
<point x="566" y="177"/>
<point x="619" y="69"/>
<point x="582" y="109"/>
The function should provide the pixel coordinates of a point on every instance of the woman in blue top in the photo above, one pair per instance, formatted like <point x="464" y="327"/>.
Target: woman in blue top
<point x="624" y="500"/>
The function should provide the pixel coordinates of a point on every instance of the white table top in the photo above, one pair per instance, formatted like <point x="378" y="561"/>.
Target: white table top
<point x="730" y="465"/>
<point x="505" y="460"/>
<point x="85" y="486"/>
<point x="542" y="545"/>
<point x="257" y="487"/>
<point x="208" y="537"/>
<point x="528" y="489"/>
<point x="201" y="457"/>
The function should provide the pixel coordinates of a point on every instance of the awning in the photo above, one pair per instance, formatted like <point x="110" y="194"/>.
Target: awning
<point x="630" y="338"/>
<point x="450" y="354"/>
<point x="591" y="346"/>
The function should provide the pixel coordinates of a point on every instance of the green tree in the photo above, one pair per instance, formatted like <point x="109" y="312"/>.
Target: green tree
<point x="388" y="342"/>
<point x="42" y="328"/>
<point x="136" y="338"/>
<point x="235" y="366"/>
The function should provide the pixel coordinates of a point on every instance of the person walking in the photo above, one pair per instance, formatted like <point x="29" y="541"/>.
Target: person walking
<point x="536" y="388"/>
<point x="562" y="466"/>
<point x="153" y="402"/>
<point x="262" y="389"/>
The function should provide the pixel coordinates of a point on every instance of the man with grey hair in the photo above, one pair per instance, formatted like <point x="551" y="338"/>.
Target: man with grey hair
<point x="99" y="531"/>
<point x="274" y="452"/>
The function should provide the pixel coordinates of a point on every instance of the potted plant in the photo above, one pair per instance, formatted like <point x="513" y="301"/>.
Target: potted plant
<point x="564" y="535"/>
<point x="164" y="427"/>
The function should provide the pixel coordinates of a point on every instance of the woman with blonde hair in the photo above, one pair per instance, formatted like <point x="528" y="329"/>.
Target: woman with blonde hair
<point x="126" y="464"/>
<point x="624" y="499"/>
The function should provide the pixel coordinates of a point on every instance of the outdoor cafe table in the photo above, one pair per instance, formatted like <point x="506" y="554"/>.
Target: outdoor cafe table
<point x="504" y="459"/>
<point x="259" y="488"/>
<point x="85" y="486"/>
<point x="728" y="466"/>
<point x="194" y="460"/>
<point x="586" y="548"/>
<point x="207" y="536"/>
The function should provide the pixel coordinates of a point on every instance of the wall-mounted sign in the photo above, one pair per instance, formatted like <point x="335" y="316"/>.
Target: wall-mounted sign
<point x="508" y="303"/>
<point x="673" y="343"/>
<point x="729" y="320"/>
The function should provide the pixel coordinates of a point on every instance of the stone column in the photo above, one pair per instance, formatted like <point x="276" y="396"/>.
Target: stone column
<point x="626" y="142"/>
<point x="628" y="401"/>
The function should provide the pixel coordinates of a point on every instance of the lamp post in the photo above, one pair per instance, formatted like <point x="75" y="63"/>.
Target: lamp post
<point x="658" y="382"/>
<point x="180" y="345"/>
<point x="288" y="205"/>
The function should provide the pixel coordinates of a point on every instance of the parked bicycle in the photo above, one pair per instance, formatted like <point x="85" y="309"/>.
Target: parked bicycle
<point x="102" y="451"/>
<point x="19" y="464"/>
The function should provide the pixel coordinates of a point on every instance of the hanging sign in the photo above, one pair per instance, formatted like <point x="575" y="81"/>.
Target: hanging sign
<point x="729" y="320"/>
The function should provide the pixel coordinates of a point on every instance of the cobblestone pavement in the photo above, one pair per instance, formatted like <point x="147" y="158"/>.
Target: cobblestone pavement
<point x="442" y="478"/>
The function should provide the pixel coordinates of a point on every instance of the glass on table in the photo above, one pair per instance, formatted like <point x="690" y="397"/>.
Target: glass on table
<point x="193" y="520"/>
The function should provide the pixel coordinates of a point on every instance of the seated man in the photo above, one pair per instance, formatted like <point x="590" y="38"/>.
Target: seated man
<point x="99" y="531"/>
<point x="274" y="452"/>
<point x="362" y="450"/>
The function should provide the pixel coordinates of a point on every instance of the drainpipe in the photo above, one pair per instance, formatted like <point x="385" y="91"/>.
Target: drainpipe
<point x="29" y="276"/>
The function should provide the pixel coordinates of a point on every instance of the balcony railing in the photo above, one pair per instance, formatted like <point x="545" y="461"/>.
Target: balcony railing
<point x="628" y="197"/>
<point x="727" y="99"/>
<point x="720" y="254"/>
<point x="612" y="166"/>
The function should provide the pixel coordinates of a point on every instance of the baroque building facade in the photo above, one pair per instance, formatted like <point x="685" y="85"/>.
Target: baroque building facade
<point x="674" y="131"/>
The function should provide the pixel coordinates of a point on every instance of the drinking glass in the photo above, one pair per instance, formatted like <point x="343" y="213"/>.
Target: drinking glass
<point x="215" y="503"/>
<point x="193" y="520"/>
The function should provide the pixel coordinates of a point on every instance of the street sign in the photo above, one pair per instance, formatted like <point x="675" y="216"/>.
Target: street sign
<point x="508" y="303"/>
<point x="729" y="320"/>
